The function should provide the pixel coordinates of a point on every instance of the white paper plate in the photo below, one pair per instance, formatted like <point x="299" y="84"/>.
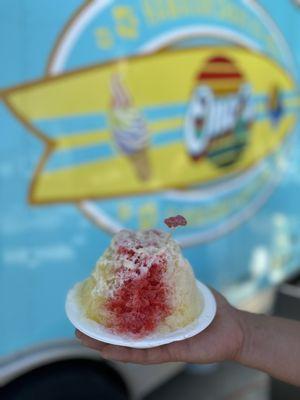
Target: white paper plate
<point x="99" y="332"/>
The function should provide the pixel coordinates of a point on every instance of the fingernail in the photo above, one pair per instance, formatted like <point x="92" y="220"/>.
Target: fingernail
<point x="78" y="334"/>
<point x="103" y="354"/>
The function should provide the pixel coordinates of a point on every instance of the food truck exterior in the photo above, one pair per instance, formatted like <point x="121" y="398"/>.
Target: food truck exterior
<point x="120" y="114"/>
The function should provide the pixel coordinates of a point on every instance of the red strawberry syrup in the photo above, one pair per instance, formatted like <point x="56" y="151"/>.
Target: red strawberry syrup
<point x="140" y="304"/>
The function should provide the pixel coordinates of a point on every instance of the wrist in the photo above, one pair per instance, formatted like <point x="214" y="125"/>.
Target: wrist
<point x="246" y="348"/>
<point x="253" y="342"/>
<point x="266" y="345"/>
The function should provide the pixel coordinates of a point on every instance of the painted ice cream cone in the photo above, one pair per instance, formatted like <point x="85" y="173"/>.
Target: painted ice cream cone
<point x="129" y="129"/>
<point x="141" y="162"/>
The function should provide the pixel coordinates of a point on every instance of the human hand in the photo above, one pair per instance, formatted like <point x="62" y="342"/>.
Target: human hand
<point x="222" y="340"/>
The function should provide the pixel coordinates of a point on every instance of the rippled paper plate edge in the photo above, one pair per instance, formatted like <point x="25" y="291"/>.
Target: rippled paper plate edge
<point x="91" y="328"/>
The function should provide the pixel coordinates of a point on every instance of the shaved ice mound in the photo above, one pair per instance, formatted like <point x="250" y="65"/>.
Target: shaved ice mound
<point x="141" y="285"/>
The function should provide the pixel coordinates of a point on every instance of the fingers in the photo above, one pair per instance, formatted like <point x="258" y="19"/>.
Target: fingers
<point x="90" y="342"/>
<point x="126" y="354"/>
<point x="156" y="355"/>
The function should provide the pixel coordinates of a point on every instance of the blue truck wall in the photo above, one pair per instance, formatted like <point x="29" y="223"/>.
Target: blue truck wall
<point x="243" y="230"/>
